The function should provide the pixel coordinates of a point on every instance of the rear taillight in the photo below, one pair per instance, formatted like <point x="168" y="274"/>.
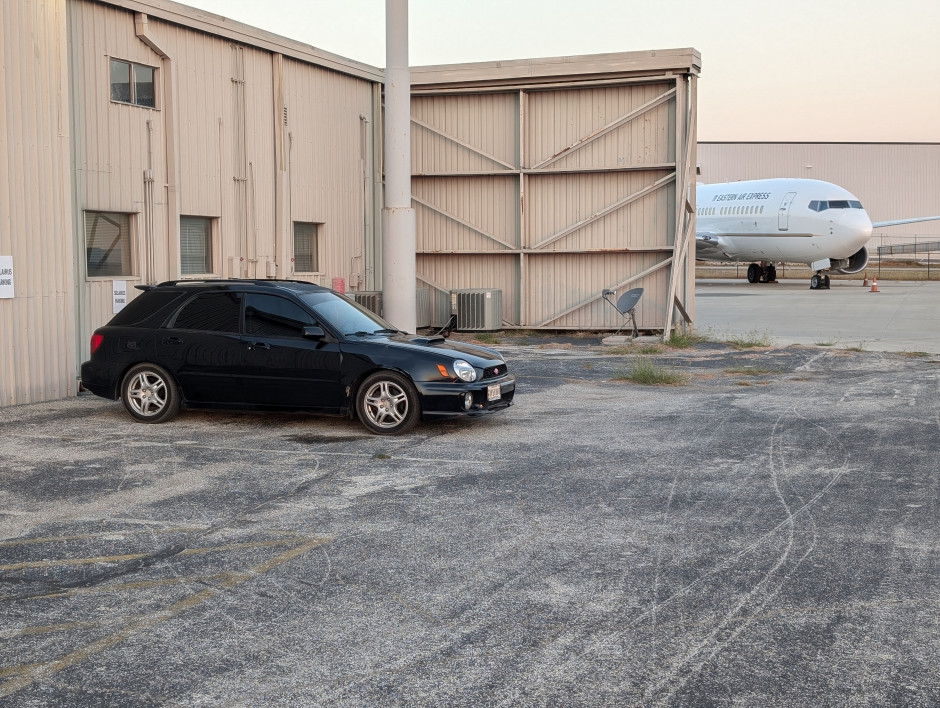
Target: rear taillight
<point x="96" y="340"/>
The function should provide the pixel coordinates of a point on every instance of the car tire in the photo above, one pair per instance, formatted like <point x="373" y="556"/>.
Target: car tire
<point x="387" y="404"/>
<point x="149" y="394"/>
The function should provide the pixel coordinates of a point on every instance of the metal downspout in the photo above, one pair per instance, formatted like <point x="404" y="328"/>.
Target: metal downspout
<point x="141" y="28"/>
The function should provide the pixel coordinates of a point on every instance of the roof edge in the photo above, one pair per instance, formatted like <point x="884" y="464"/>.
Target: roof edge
<point x="548" y="69"/>
<point x="210" y="23"/>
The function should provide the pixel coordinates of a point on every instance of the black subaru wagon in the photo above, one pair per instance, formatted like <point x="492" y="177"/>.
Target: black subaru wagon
<point x="284" y="345"/>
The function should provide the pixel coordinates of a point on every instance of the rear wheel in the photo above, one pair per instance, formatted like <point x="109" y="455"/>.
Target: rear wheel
<point x="149" y="394"/>
<point x="387" y="403"/>
<point x="753" y="273"/>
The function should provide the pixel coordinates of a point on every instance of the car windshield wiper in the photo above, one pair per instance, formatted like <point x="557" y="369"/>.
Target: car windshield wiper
<point x="388" y="331"/>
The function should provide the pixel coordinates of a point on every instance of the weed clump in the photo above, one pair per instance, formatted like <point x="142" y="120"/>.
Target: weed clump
<point x="645" y="371"/>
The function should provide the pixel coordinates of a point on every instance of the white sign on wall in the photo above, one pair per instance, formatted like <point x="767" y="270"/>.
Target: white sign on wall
<point x="6" y="276"/>
<point x="119" y="288"/>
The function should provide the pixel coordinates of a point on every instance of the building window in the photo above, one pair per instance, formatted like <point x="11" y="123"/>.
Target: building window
<point x="107" y="244"/>
<point x="133" y="83"/>
<point x="195" y="245"/>
<point x="306" y="247"/>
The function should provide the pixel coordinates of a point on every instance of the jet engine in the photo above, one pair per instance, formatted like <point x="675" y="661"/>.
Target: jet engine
<point x="853" y="264"/>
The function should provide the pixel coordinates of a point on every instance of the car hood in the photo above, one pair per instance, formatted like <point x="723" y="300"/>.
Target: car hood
<point x="439" y="345"/>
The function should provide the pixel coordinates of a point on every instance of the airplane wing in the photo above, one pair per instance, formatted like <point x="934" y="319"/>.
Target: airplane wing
<point x="896" y="222"/>
<point x="711" y="247"/>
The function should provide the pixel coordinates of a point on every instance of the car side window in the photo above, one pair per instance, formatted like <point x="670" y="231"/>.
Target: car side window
<point x="212" y="312"/>
<point x="275" y="316"/>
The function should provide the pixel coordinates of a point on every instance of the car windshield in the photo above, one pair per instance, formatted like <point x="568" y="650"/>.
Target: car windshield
<point x="346" y="316"/>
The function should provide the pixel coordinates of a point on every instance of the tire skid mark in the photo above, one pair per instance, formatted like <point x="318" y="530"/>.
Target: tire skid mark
<point x="751" y="605"/>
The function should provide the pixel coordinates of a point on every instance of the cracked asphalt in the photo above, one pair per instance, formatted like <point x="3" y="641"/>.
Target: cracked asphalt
<point x="762" y="534"/>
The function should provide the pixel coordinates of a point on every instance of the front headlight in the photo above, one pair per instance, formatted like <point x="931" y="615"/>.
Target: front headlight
<point x="464" y="370"/>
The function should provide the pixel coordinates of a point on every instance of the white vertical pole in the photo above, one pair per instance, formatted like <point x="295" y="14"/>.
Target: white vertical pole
<point x="398" y="216"/>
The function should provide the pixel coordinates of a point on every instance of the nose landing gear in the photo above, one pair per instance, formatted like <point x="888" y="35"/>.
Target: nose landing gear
<point x="819" y="281"/>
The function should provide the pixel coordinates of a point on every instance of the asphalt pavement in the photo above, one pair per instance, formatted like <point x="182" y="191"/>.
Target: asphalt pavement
<point x="762" y="533"/>
<point x="894" y="315"/>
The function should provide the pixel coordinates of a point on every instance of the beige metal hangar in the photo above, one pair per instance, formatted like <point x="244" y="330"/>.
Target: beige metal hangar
<point x="892" y="180"/>
<point x="551" y="180"/>
<point x="150" y="141"/>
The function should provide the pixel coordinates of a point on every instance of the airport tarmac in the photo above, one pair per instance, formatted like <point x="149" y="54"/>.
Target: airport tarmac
<point x="902" y="316"/>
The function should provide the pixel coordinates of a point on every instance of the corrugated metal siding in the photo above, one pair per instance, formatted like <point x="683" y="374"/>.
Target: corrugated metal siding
<point x="561" y="118"/>
<point x="549" y="193"/>
<point x="37" y="359"/>
<point x="465" y="133"/>
<point x="226" y="125"/>
<point x="330" y="123"/>
<point x="892" y="180"/>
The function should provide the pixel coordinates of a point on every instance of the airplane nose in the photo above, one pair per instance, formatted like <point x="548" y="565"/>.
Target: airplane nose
<point x="855" y="224"/>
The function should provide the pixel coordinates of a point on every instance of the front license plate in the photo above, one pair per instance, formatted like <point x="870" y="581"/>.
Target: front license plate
<point x="493" y="393"/>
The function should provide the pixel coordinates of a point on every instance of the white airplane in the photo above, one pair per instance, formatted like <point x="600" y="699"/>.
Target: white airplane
<point x="769" y="221"/>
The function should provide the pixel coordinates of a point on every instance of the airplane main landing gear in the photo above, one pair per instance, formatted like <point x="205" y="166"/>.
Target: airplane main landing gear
<point x="819" y="282"/>
<point x="761" y="273"/>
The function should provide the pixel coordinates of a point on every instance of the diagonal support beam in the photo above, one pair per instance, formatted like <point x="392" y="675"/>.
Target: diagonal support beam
<point x="461" y="143"/>
<point x="586" y="140"/>
<point x="658" y="184"/>
<point x="460" y="221"/>
<point x="595" y="298"/>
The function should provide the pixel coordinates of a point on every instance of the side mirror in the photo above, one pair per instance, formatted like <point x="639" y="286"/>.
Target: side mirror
<point x="314" y="332"/>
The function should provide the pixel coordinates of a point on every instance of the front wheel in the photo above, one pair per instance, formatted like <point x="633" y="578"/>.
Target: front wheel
<point x="387" y="403"/>
<point x="149" y="394"/>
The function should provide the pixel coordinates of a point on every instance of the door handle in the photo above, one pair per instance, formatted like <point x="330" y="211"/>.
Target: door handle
<point x="172" y="340"/>
<point x="259" y="345"/>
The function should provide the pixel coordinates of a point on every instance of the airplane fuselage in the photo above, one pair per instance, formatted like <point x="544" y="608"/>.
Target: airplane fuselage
<point x="782" y="220"/>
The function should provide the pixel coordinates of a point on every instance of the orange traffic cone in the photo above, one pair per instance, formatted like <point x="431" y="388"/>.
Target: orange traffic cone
<point x="865" y="282"/>
<point x="874" y="285"/>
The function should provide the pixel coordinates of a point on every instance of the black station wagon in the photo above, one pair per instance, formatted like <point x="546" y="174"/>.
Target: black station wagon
<point x="284" y="345"/>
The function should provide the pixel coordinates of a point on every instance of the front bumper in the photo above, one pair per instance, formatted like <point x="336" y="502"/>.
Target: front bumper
<point x="447" y="398"/>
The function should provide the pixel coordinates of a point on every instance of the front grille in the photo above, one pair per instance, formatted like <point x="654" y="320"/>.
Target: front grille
<point x="494" y="371"/>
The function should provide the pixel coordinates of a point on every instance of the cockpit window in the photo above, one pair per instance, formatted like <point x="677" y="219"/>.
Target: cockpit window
<point x="820" y="205"/>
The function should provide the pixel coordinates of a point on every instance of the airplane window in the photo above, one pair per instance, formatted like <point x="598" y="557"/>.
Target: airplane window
<point x="855" y="204"/>
<point x="839" y="204"/>
<point x="814" y="205"/>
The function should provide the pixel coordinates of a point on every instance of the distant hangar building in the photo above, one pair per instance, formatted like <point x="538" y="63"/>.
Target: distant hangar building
<point x="892" y="180"/>
<point x="145" y="141"/>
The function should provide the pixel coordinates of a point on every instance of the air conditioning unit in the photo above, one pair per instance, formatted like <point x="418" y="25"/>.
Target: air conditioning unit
<point x="477" y="310"/>
<point x="369" y="299"/>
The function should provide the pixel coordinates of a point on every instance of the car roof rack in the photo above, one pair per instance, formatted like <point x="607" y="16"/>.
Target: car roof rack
<point x="226" y="281"/>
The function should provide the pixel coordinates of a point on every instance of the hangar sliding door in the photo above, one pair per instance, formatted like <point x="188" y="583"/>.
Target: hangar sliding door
<point x="553" y="190"/>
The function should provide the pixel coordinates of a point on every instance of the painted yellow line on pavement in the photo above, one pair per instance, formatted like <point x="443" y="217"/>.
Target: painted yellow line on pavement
<point x="123" y="587"/>
<point x="101" y="534"/>
<point x="137" y="556"/>
<point x="29" y="674"/>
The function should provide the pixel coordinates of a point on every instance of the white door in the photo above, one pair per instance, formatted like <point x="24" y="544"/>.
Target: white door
<point x="783" y="215"/>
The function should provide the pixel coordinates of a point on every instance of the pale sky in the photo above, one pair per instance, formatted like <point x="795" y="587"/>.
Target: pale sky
<point x="792" y="70"/>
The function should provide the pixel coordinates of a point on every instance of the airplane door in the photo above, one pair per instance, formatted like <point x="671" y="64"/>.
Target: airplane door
<point x="783" y="214"/>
